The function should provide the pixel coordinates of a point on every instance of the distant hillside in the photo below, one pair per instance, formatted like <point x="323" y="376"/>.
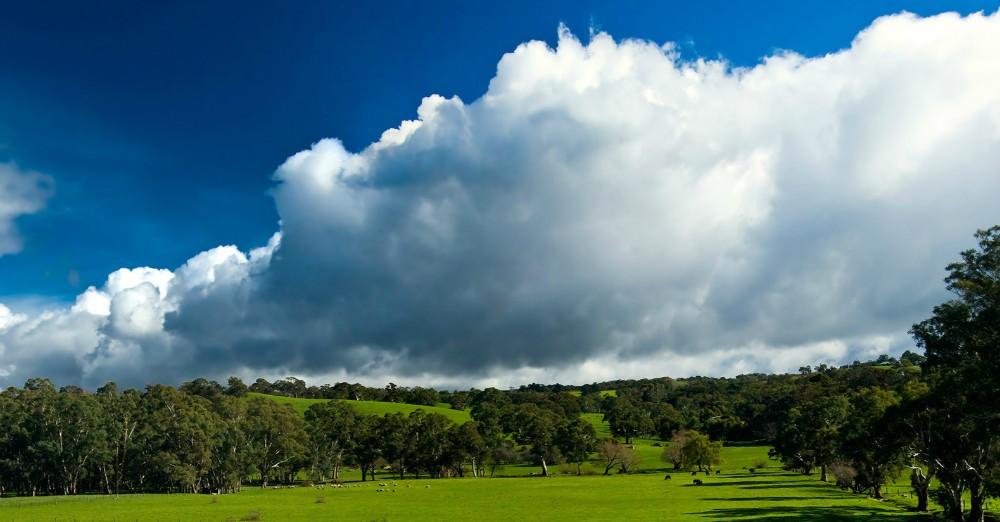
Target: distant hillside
<point x="371" y="407"/>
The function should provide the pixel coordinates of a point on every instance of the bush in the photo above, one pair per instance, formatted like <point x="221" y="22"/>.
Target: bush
<point x="759" y="464"/>
<point x="320" y="500"/>
<point x="844" y="474"/>
<point x="253" y="515"/>
<point x="307" y="483"/>
<point x="567" y="468"/>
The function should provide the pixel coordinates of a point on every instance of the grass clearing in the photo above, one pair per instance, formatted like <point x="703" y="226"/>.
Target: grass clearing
<point x="770" y="494"/>
<point x="371" y="407"/>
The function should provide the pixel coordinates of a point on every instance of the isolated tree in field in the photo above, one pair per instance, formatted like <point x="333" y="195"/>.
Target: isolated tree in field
<point x="627" y="419"/>
<point x="962" y="344"/>
<point x="576" y="440"/>
<point x="615" y="454"/>
<point x="689" y="448"/>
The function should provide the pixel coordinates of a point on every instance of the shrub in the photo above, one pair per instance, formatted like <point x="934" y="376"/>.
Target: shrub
<point x="759" y="464"/>
<point x="844" y="474"/>
<point x="320" y="500"/>
<point x="307" y="483"/>
<point x="253" y="515"/>
<point x="567" y="468"/>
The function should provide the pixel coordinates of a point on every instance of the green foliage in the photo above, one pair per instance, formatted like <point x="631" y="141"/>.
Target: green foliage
<point x="691" y="449"/>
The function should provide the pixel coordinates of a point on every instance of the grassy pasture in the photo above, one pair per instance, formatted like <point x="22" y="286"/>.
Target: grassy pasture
<point x="769" y="495"/>
<point x="602" y="393"/>
<point x="371" y="407"/>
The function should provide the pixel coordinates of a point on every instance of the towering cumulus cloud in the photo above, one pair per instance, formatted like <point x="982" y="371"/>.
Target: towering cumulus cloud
<point x="605" y="209"/>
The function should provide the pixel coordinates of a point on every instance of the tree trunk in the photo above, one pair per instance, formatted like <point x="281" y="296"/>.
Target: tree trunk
<point x="920" y="482"/>
<point x="955" y="508"/>
<point x="822" y="473"/>
<point x="977" y="504"/>
<point x="545" y="468"/>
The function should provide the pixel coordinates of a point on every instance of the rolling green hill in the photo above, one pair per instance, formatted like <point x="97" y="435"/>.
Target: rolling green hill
<point x="371" y="407"/>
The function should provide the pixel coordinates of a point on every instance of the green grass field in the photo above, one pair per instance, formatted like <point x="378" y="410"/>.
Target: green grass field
<point x="372" y="407"/>
<point x="769" y="495"/>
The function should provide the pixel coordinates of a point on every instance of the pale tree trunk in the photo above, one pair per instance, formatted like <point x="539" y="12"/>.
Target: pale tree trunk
<point x="545" y="468"/>
<point x="920" y="482"/>
<point x="977" y="504"/>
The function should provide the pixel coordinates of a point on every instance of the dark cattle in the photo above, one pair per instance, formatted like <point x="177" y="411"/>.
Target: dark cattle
<point x="718" y="472"/>
<point x="697" y="482"/>
<point x="706" y="473"/>
<point x="751" y="470"/>
<point x="667" y="477"/>
<point x="693" y="473"/>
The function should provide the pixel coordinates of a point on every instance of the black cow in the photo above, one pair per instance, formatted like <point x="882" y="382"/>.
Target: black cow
<point x="667" y="477"/>
<point x="697" y="482"/>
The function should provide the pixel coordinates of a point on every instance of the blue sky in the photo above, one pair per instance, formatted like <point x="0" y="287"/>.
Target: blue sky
<point x="162" y="123"/>
<point x="457" y="194"/>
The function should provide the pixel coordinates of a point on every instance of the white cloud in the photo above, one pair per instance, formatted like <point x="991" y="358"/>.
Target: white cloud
<point x="21" y="193"/>
<point x="604" y="210"/>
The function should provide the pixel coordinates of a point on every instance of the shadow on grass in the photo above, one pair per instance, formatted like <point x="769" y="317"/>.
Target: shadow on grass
<point x="822" y="514"/>
<point x="747" y="484"/>
<point x="771" y="499"/>
<point x="787" y="485"/>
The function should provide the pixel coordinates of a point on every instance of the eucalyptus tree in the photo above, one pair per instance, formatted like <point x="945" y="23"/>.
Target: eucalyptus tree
<point x="962" y="345"/>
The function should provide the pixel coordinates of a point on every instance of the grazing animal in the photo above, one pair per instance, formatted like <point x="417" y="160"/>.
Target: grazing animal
<point x="667" y="477"/>
<point x="697" y="482"/>
<point x="428" y="486"/>
<point x="693" y="473"/>
<point x="752" y="470"/>
<point x="706" y="473"/>
<point x="718" y="472"/>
